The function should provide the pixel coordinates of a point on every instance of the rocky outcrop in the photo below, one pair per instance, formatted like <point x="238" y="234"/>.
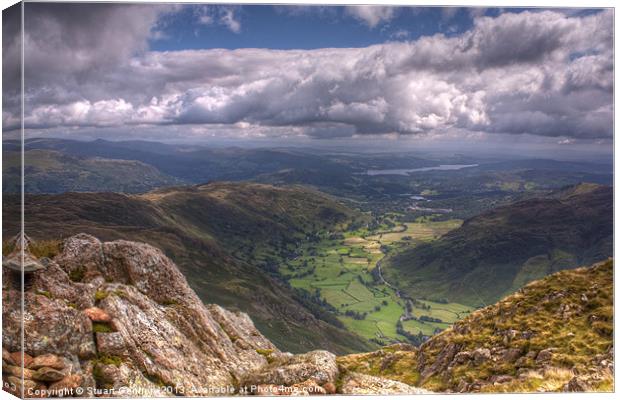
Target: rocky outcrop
<point x="356" y="383"/>
<point x="119" y="319"/>
<point x="121" y="315"/>
<point x="315" y="372"/>
<point x="319" y="366"/>
<point x="47" y="373"/>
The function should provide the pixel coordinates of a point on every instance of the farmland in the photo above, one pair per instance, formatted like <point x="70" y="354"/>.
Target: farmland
<point x="338" y="268"/>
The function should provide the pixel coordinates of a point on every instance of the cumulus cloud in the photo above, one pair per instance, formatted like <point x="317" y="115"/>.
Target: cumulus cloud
<point x="371" y="15"/>
<point x="539" y="73"/>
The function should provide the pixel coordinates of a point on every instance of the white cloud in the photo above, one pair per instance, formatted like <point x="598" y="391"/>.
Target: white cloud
<point x="540" y="73"/>
<point x="231" y="20"/>
<point x="447" y="13"/>
<point x="400" y="34"/>
<point x="372" y="15"/>
<point x="221" y="15"/>
<point x="566" y="141"/>
<point x="203" y="14"/>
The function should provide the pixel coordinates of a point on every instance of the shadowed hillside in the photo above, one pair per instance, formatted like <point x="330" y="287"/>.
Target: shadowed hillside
<point x="497" y="252"/>
<point x="222" y="236"/>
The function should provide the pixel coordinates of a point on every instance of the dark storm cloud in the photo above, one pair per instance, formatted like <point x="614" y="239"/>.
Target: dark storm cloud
<point x="542" y="73"/>
<point x="11" y="61"/>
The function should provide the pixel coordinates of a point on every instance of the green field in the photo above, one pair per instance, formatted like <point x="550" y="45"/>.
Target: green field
<point x="422" y="230"/>
<point x="339" y="267"/>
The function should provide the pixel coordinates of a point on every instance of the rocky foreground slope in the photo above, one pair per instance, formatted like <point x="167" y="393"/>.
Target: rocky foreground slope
<point x="119" y="319"/>
<point x="554" y="334"/>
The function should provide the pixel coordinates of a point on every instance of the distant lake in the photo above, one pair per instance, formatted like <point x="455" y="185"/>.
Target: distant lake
<point x="442" y="167"/>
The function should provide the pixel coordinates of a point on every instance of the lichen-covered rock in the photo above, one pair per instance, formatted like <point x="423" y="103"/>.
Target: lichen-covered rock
<point x="17" y="371"/>
<point x="48" y="374"/>
<point x="82" y="258"/>
<point x="17" y="386"/>
<point x="8" y="357"/>
<point x="356" y="383"/>
<point x="96" y="314"/>
<point x="481" y="355"/>
<point x="319" y="365"/>
<point x="54" y="283"/>
<point x="18" y="359"/>
<point x="49" y="360"/>
<point x="66" y="384"/>
<point x="111" y="344"/>
<point x="576" y="384"/>
<point x="544" y="356"/>
<point x="462" y="357"/>
<point x="128" y="317"/>
<point x="511" y="355"/>
<point x="50" y="325"/>
<point x="442" y="361"/>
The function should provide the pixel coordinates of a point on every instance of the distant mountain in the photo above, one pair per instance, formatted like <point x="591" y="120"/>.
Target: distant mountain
<point x="51" y="171"/>
<point x="189" y="163"/>
<point x="555" y="334"/>
<point x="71" y="165"/>
<point x="501" y="250"/>
<point x="224" y="237"/>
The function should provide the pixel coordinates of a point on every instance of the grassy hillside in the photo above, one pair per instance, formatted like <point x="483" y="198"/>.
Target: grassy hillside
<point x="50" y="171"/>
<point x="554" y="334"/>
<point x="254" y="222"/>
<point x="499" y="251"/>
<point x="222" y="236"/>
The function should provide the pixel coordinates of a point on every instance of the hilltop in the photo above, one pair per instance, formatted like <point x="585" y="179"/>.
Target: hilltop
<point x="499" y="251"/>
<point x="554" y="334"/>
<point x="223" y="237"/>
<point x="52" y="171"/>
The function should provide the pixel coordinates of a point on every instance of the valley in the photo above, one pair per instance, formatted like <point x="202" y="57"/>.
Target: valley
<point x="500" y="250"/>
<point x="320" y="252"/>
<point x="343" y="269"/>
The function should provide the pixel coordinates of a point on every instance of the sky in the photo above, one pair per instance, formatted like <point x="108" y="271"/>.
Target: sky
<point x="300" y="73"/>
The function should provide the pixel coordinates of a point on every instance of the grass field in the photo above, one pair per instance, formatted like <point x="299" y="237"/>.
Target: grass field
<point x="340" y="270"/>
<point x="422" y="230"/>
